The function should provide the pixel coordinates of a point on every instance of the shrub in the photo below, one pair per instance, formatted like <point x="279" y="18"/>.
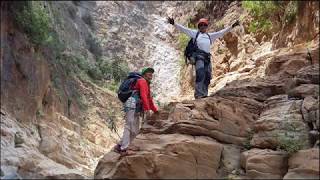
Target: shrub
<point x="94" y="45"/>
<point x="260" y="8"/>
<point x="112" y="121"/>
<point x="191" y="25"/>
<point x="263" y="25"/>
<point x="247" y="144"/>
<point x="94" y="72"/>
<point x="182" y="61"/>
<point x="261" y="11"/>
<point x="264" y="11"/>
<point x="291" y="12"/>
<point x="35" y="21"/>
<point x="289" y="143"/>
<point x="219" y="25"/>
<point x="117" y="69"/>
<point x="112" y="86"/>
<point x="183" y="40"/>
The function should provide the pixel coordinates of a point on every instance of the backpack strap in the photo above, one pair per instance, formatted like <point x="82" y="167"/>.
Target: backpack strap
<point x="209" y="38"/>
<point x="195" y="39"/>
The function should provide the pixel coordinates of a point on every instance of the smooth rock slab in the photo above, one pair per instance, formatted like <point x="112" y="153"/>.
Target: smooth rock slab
<point x="304" y="165"/>
<point x="264" y="163"/>
<point x="164" y="156"/>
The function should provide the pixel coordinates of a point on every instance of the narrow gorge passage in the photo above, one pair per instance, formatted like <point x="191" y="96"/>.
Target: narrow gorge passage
<point x="62" y="63"/>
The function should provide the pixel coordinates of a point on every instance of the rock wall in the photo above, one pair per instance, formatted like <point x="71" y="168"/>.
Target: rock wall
<point x="251" y="128"/>
<point x="53" y="123"/>
<point x="260" y="118"/>
<point x="138" y="33"/>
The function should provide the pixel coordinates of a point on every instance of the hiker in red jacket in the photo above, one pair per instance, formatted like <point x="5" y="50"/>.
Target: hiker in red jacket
<point x="143" y="86"/>
<point x="140" y="103"/>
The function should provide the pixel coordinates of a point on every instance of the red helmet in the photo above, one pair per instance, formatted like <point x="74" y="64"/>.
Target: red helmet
<point x="203" y="20"/>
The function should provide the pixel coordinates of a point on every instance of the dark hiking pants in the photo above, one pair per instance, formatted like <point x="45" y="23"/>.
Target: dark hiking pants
<point x="203" y="75"/>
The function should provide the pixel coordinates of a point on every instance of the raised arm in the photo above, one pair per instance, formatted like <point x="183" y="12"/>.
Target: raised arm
<point x="218" y="34"/>
<point x="190" y="32"/>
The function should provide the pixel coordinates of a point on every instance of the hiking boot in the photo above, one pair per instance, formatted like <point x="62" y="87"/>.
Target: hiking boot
<point x="126" y="152"/>
<point x="117" y="148"/>
<point x="200" y="97"/>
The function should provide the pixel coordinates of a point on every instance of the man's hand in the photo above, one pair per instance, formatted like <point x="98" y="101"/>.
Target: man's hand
<point x="148" y="114"/>
<point x="170" y="20"/>
<point x="237" y="23"/>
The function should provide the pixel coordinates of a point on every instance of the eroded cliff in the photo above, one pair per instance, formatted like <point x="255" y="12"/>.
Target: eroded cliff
<point x="60" y="114"/>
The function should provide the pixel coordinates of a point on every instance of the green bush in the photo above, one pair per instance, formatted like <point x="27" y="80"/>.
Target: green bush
<point x="191" y="25"/>
<point x="260" y="8"/>
<point x="94" y="45"/>
<point x="219" y="25"/>
<point x="35" y="21"/>
<point x="249" y="137"/>
<point x="291" y="11"/>
<point x="261" y="11"/>
<point x="264" y="12"/>
<point x="263" y="25"/>
<point x="112" y="121"/>
<point x="183" y="40"/>
<point x="112" y="86"/>
<point x="289" y="144"/>
<point x="116" y="69"/>
<point x="94" y="72"/>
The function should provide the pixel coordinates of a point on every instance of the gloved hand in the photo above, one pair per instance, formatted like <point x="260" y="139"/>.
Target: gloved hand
<point x="170" y="20"/>
<point x="237" y="23"/>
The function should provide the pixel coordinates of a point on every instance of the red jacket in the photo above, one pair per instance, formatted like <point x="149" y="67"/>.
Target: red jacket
<point x="145" y="94"/>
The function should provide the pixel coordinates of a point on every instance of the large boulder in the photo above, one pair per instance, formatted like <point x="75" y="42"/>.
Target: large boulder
<point x="21" y="158"/>
<point x="304" y="165"/>
<point x="304" y="90"/>
<point x="164" y="156"/>
<point x="264" y="163"/>
<point x="227" y="119"/>
<point x="280" y="121"/>
<point x="310" y="111"/>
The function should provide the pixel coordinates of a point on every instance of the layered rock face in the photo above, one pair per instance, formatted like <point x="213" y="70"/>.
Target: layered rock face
<point x="166" y="156"/>
<point x="192" y="139"/>
<point x="256" y="124"/>
<point x="138" y="33"/>
<point x="45" y="130"/>
<point x="260" y="121"/>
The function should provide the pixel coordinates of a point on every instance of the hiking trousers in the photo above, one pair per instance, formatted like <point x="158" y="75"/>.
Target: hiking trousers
<point x="203" y="76"/>
<point x="132" y="122"/>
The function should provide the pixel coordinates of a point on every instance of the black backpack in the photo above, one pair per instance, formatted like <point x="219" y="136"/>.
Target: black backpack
<point x="191" y="48"/>
<point x="125" y="89"/>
